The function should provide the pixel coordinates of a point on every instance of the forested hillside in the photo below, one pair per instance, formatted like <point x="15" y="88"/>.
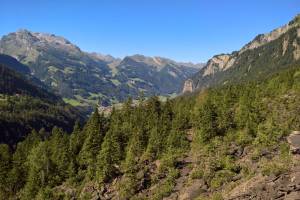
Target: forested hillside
<point x="25" y="106"/>
<point x="204" y="145"/>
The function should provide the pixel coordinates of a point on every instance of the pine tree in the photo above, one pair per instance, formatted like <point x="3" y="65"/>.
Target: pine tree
<point x="94" y="132"/>
<point x="154" y="127"/>
<point x="134" y="150"/>
<point x="207" y="121"/>
<point x="19" y="172"/>
<point x="40" y="170"/>
<point x="75" y="144"/>
<point x="58" y="144"/>
<point x="109" y="158"/>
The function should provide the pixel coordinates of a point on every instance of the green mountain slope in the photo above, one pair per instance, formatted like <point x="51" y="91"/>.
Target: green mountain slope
<point x="265" y="55"/>
<point x="25" y="106"/>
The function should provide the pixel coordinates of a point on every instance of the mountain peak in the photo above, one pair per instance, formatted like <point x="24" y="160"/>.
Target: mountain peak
<point x="23" y="30"/>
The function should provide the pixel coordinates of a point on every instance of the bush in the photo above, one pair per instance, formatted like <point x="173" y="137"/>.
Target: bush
<point x="273" y="168"/>
<point x="165" y="188"/>
<point x="197" y="173"/>
<point x="220" y="178"/>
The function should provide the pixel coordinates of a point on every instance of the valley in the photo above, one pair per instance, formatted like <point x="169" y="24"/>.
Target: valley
<point x="79" y="125"/>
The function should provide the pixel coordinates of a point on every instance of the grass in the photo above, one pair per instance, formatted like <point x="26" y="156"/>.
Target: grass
<point x="72" y="102"/>
<point x="52" y="69"/>
<point x="68" y="70"/>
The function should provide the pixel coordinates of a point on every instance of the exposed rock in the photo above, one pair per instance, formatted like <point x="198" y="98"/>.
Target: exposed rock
<point x="284" y="186"/>
<point x="192" y="191"/>
<point x="188" y="86"/>
<point x="284" y="45"/>
<point x="218" y="63"/>
<point x="266" y="38"/>
<point x="294" y="142"/>
<point x="297" y="50"/>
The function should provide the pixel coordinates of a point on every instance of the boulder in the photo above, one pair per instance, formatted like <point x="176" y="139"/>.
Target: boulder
<point x="294" y="142"/>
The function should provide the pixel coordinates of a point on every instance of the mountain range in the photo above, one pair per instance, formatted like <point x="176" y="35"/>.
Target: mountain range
<point x="83" y="79"/>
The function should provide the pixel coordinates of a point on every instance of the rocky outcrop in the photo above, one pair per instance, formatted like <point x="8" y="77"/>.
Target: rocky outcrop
<point x="294" y="142"/>
<point x="285" y="186"/>
<point x="188" y="86"/>
<point x="218" y="63"/>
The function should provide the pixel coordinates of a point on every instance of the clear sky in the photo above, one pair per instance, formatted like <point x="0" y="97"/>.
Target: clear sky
<point x="183" y="30"/>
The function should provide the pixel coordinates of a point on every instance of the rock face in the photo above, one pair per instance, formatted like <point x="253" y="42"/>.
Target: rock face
<point x="85" y="77"/>
<point x="264" y="55"/>
<point x="188" y="86"/>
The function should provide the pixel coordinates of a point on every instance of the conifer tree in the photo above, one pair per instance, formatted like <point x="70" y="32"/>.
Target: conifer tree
<point x="207" y="120"/>
<point x="58" y="144"/>
<point x="75" y="144"/>
<point x="40" y="172"/>
<point x="93" y="132"/>
<point x="19" y="172"/>
<point x="109" y="157"/>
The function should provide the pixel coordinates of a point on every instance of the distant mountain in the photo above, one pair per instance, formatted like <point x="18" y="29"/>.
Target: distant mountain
<point x="84" y="78"/>
<point x="25" y="106"/>
<point x="263" y="56"/>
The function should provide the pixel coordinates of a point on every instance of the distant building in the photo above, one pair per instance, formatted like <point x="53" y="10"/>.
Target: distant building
<point x="188" y="86"/>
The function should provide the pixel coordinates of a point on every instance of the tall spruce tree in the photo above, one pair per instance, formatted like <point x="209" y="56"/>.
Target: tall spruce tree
<point x="93" y="132"/>
<point x="109" y="157"/>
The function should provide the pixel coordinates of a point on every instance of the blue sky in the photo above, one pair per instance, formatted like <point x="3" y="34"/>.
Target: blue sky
<point x="183" y="30"/>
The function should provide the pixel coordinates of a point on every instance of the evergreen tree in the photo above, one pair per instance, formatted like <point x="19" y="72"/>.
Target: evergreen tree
<point x="5" y="165"/>
<point x="109" y="157"/>
<point x="40" y="170"/>
<point x="58" y="144"/>
<point x="19" y="172"/>
<point x="207" y="121"/>
<point x="75" y="144"/>
<point x="134" y="150"/>
<point x="93" y="132"/>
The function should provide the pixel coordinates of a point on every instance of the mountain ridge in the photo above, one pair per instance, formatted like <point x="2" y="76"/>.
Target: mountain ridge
<point x="87" y="77"/>
<point x="224" y="68"/>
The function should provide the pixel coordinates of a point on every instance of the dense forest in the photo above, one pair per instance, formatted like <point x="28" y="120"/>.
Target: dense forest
<point x="136" y="152"/>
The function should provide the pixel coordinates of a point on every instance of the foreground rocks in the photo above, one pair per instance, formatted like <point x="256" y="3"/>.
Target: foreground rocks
<point x="285" y="186"/>
<point x="294" y="142"/>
